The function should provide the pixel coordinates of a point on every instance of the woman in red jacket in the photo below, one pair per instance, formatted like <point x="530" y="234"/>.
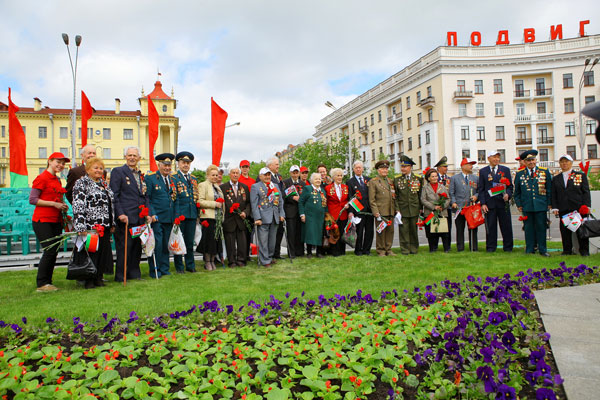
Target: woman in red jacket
<point x="337" y="205"/>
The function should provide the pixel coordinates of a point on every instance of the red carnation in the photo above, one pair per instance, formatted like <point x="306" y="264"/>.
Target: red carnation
<point x="181" y="218"/>
<point x="334" y="226"/>
<point x="523" y="218"/>
<point x="220" y="200"/>
<point x="198" y="205"/>
<point x="358" y="195"/>
<point x="271" y="190"/>
<point x="444" y="195"/>
<point x="205" y="223"/>
<point x="234" y="207"/>
<point x="203" y="211"/>
<point x="177" y="221"/>
<point x="100" y="229"/>
<point x="584" y="210"/>
<point x="144" y="212"/>
<point x="505" y="181"/>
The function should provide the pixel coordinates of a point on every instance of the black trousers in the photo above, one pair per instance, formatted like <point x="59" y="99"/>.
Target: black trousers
<point x="493" y="218"/>
<point x="278" y="238"/>
<point x="294" y="236"/>
<point x="339" y="248"/>
<point x="99" y="257"/>
<point x="364" y="235"/>
<point x="134" y="253"/>
<point x="461" y="221"/>
<point x="236" y="246"/>
<point x="309" y="247"/>
<point x="567" y="238"/>
<point x="44" y="231"/>
<point x="434" y="239"/>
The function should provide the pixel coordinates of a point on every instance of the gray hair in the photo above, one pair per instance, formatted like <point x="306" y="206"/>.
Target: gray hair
<point x="336" y="171"/>
<point x="86" y="147"/>
<point x="271" y="160"/>
<point x="314" y="175"/>
<point x="234" y="169"/>
<point x="132" y="147"/>
<point x="357" y="162"/>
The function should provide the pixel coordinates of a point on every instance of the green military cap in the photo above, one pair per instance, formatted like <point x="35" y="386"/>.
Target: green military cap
<point x="528" y="154"/>
<point x="165" y="158"/>
<point x="382" y="164"/>
<point x="442" y="163"/>
<point x="406" y="160"/>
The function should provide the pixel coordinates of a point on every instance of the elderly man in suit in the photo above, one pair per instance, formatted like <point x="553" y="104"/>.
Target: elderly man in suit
<point x="463" y="192"/>
<point x="291" y="192"/>
<point x="570" y="191"/>
<point x="495" y="207"/>
<point x="129" y="188"/>
<point x="273" y="166"/>
<point x="186" y="204"/>
<point x="234" y="227"/>
<point x="267" y="209"/>
<point x="365" y="228"/>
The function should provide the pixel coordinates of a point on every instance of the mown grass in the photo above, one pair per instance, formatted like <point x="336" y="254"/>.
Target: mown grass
<point x="237" y="286"/>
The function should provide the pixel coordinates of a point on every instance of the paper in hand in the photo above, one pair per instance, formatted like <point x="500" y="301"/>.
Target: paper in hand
<point x="398" y="219"/>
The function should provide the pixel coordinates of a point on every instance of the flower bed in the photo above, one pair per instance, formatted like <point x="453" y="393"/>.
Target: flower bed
<point x="480" y="338"/>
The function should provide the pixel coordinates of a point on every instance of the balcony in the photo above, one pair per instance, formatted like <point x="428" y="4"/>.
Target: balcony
<point x="523" y="141"/>
<point x="522" y="94"/>
<point x="394" y="137"/>
<point x="526" y="119"/>
<point x="545" y="140"/>
<point x="394" y="118"/>
<point x="427" y="102"/>
<point x="363" y="129"/>
<point x="543" y="92"/>
<point x="463" y="95"/>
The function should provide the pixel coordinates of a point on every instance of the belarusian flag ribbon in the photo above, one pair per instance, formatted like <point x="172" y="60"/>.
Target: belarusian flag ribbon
<point x="496" y="190"/>
<point x="356" y="205"/>
<point x="91" y="242"/>
<point x="429" y="218"/>
<point x="136" y="230"/>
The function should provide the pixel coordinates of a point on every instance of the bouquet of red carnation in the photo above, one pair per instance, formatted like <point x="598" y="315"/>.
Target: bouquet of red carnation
<point x="204" y="223"/>
<point x="234" y="207"/>
<point x="100" y="229"/>
<point x="220" y="200"/>
<point x="505" y="182"/>
<point x="444" y="195"/>
<point x="523" y="218"/>
<point x="143" y="211"/>
<point x="584" y="210"/>
<point x="178" y="220"/>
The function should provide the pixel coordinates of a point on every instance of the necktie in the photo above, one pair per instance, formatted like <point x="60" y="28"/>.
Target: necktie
<point x="530" y="172"/>
<point x="494" y="170"/>
<point x="187" y="178"/>
<point x="167" y="182"/>
<point x="234" y="189"/>
<point x="360" y="180"/>
<point x="467" y="180"/>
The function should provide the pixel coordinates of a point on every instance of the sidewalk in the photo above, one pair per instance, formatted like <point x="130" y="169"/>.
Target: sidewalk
<point x="572" y="317"/>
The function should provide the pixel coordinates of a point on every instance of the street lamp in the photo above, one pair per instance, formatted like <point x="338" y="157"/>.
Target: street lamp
<point x="74" y="72"/>
<point x="330" y="105"/>
<point x="234" y="124"/>
<point x="581" y="133"/>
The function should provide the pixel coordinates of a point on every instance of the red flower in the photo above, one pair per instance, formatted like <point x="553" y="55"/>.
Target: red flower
<point x="358" y="195"/>
<point x="177" y="221"/>
<point x="523" y="218"/>
<point x="181" y="218"/>
<point x="505" y="181"/>
<point x="198" y="205"/>
<point x="144" y="211"/>
<point x="234" y="207"/>
<point x="220" y="200"/>
<point x="100" y="229"/>
<point x="444" y="195"/>
<point x="334" y="226"/>
<point x="584" y="210"/>
<point x="205" y="223"/>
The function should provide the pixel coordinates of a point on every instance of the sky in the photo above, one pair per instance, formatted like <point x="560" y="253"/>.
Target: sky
<point x="270" y="64"/>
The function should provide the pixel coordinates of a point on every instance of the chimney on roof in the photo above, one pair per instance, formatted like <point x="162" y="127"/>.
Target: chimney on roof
<point x="117" y="106"/>
<point x="37" y="104"/>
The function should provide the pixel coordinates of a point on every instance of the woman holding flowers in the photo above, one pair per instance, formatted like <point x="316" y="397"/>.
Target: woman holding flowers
<point x="435" y="200"/>
<point x="337" y="206"/>
<point x="210" y="198"/>
<point x="94" y="213"/>
<point x="47" y="194"/>
<point x="312" y="206"/>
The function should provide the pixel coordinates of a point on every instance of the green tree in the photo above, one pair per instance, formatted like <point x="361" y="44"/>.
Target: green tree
<point x="199" y="174"/>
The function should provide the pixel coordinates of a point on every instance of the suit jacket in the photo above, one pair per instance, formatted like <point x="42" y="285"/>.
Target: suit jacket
<point x="460" y="192"/>
<point x="533" y="193"/>
<point x="161" y="197"/>
<point x="354" y="186"/>
<point x="233" y="220"/>
<point x="574" y="195"/>
<point x="290" y="206"/>
<point x="429" y="197"/>
<point x="128" y="196"/>
<point x="266" y="208"/>
<point x="335" y="205"/>
<point x="206" y="199"/>
<point x="72" y="177"/>
<point x="486" y="182"/>
<point x="187" y="195"/>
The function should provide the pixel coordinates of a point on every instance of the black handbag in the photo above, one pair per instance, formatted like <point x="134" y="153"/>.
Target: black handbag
<point x="589" y="228"/>
<point x="80" y="266"/>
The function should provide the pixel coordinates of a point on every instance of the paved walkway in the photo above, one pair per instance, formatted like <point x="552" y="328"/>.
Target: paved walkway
<point x="572" y="317"/>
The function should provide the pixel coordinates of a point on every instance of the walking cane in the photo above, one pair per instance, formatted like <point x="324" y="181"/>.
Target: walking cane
<point x="125" y="261"/>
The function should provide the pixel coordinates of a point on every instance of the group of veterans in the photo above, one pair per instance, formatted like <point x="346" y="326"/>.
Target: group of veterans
<point x="312" y="212"/>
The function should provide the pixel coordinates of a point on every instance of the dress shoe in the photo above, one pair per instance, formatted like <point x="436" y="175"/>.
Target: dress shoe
<point x="181" y="272"/>
<point x="390" y="254"/>
<point x="99" y="283"/>
<point x="191" y="271"/>
<point x="309" y="256"/>
<point x="241" y="264"/>
<point x="320" y="255"/>
<point x="89" y="285"/>
<point x="566" y="253"/>
<point x="544" y="254"/>
<point x="278" y="257"/>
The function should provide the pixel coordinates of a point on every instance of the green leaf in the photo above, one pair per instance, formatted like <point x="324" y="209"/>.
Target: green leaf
<point x="412" y="380"/>
<point x="108" y="376"/>
<point x="283" y="361"/>
<point x="278" y="394"/>
<point x="310" y="372"/>
<point x="308" y="395"/>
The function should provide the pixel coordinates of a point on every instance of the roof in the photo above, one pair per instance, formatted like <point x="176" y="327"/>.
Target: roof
<point x="158" y="93"/>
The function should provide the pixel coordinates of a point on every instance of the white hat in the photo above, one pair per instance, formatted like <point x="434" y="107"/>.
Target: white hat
<point x="294" y="168"/>
<point x="264" y="171"/>
<point x="491" y="153"/>
<point x="568" y="157"/>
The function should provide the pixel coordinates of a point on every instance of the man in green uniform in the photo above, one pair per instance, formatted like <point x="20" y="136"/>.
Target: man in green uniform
<point x="186" y="204"/>
<point x="381" y="200"/>
<point x="408" y="187"/>
<point x="533" y="196"/>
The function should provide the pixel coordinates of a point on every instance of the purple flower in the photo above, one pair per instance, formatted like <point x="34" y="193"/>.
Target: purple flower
<point x="487" y="353"/>
<point x="508" y="339"/>
<point x="105" y="316"/>
<point x="75" y="320"/>
<point x="545" y="394"/>
<point x="496" y="318"/>
<point x="558" y="380"/>
<point x="3" y="324"/>
<point x="310" y="303"/>
<point x="506" y="392"/>
<point x="50" y="320"/>
<point x="78" y="328"/>
<point x="24" y="319"/>
<point x="452" y="347"/>
<point x="486" y="375"/>
<point x="542" y="367"/>
<point x="537" y="355"/>
<point x="229" y="309"/>
<point x="250" y="319"/>
<point x="16" y="328"/>
<point x="133" y="317"/>
<point x="287" y="295"/>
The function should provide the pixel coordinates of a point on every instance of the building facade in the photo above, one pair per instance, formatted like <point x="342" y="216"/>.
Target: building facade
<point x="462" y="101"/>
<point x="48" y="130"/>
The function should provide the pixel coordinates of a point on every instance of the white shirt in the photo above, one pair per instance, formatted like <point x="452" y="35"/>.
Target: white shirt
<point x="566" y="176"/>
<point x="338" y="191"/>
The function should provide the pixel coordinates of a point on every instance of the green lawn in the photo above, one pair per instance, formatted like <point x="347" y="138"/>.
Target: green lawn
<point x="327" y="276"/>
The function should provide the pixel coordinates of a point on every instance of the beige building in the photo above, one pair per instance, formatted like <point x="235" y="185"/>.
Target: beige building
<point x="48" y="130"/>
<point x="462" y="101"/>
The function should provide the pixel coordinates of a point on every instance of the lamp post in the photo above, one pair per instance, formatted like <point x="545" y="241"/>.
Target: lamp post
<point x="330" y="105"/>
<point x="234" y="124"/>
<point x="581" y="133"/>
<point x="74" y="72"/>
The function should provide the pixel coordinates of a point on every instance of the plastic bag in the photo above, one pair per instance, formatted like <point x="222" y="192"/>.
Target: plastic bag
<point x="197" y="235"/>
<point x="150" y="243"/>
<point x="350" y="235"/>
<point x="176" y="243"/>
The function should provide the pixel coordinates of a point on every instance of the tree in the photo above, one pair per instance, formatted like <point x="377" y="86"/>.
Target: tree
<point x="199" y="174"/>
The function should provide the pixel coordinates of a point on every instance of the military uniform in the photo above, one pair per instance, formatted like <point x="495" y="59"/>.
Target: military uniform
<point x="533" y="193"/>
<point x="161" y="195"/>
<point x="382" y="201"/>
<point x="186" y="201"/>
<point x="408" y="203"/>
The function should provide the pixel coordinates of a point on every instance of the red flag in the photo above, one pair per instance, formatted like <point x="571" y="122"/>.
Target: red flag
<point x="219" y="117"/>
<point x="152" y="132"/>
<point x="17" y="144"/>
<point x="86" y="113"/>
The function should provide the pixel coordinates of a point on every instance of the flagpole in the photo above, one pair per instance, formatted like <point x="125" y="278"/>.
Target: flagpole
<point x="74" y="112"/>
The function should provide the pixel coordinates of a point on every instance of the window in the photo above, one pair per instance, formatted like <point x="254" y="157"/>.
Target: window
<point x="481" y="133"/>
<point x="464" y="133"/>
<point x="481" y="156"/>
<point x="569" y="128"/>
<point x="428" y="158"/>
<point x="522" y="135"/>
<point x="164" y="108"/>
<point x="497" y="85"/>
<point x="127" y="134"/>
<point x="401" y="146"/>
<point x="359" y="126"/>
<point x="420" y="162"/>
<point x="419" y="119"/>
<point x="590" y="126"/>
<point x="379" y="116"/>
<point x="381" y="150"/>
<point x="380" y="134"/>
<point x="42" y="152"/>
<point x="502" y="155"/>
<point x="409" y="123"/>
<point x="3" y="152"/>
<point x="569" y="106"/>
<point x="478" y="87"/>
<point x="395" y="129"/>
<point x="460" y="86"/>
<point x="462" y="109"/>
<point x="567" y="81"/>
<point x="65" y="151"/>
<point x="372" y="137"/>
<point x="541" y="107"/>
<point x="428" y="91"/>
<point x="409" y="144"/>
<point x="571" y="150"/>
<point x="519" y="88"/>
<point x="366" y="121"/>
<point x="543" y="154"/>
<point x="430" y="114"/>
<point x="393" y="109"/>
<point x="373" y="154"/>
<point x="479" y="109"/>
<point x="43" y="132"/>
<point x="64" y="132"/>
<point x="427" y="138"/>
<point x="500" y="133"/>
<point x="106" y="133"/>
<point x="499" y="109"/>
<point x="364" y="158"/>
<point x="360" y="141"/>
<point x="408" y="102"/>
<point x="372" y="119"/>
<point x="418" y="96"/>
<point x="520" y="108"/>
<point x="543" y="135"/>
<point x="540" y="86"/>
<point x="3" y="131"/>
<point x="588" y="78"/>
<point x="466" y="153"/>
<point x="592" y="151"/>
<point x="590" y="99"/>
<point x="419" y="140"/>
<point x="353" y="126"/>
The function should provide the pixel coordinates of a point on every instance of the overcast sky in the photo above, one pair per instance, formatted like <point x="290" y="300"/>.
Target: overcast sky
<point x="270" y="64"/>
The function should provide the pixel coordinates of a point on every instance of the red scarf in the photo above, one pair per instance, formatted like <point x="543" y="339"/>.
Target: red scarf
<point x="434" y="186"/>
